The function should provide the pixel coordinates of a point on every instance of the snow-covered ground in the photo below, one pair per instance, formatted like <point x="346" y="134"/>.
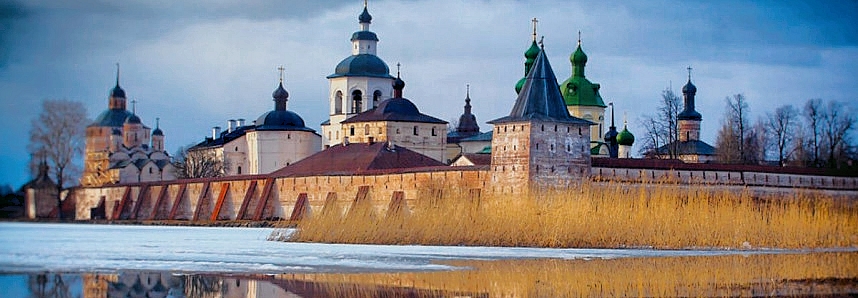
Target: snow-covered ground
<point x="40" y="247"/>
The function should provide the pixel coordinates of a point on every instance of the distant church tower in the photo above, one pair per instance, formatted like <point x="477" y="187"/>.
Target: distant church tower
<point x="582" y="97"/>
<point x="539" y="145"/>
<point x="689" y="119"/>
<point x="359" y="83"/>
<point x="468" y="126"/>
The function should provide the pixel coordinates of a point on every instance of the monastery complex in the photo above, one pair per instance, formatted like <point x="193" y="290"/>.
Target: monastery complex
<point x="377" y="146"/>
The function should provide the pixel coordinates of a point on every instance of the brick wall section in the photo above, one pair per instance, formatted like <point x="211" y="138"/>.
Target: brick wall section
<point x="538" y="154"/>
<point x="284" y="194"/>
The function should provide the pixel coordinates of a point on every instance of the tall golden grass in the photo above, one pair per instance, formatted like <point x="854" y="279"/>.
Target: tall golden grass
<point x="599" y="216"/>
<point x="700" y="276"/>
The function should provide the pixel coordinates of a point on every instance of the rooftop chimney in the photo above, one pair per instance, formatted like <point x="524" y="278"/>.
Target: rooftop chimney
<point x="215" y="132"/>
<point x="230" y="125"/>
<point x="240" y="122"/>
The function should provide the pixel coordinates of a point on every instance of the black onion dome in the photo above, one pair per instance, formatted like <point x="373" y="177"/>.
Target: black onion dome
<point x="281" y="120"/>
<point x="398" y="84"/>
<point x="364" y="65"/>
<point x="133" y="119"/>
<point x="280" y="93"/>
<point x="364" y="16"/>
<point x="689" y="88"/>
<point x="157" y="132"/>
<point x="117" y="92"/>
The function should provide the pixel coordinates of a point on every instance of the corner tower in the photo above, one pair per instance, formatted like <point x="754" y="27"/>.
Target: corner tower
<point x="359" y="83"/>
<point x="539" y="145"/>
<point x="582" y="96"/>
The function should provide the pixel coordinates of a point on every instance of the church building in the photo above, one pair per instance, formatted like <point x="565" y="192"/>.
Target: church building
<point x="120" y="149"/>
<point x="398" y="121"/>
<point x="584" y="101"/>
<point x="360" y="82"/>
<point x="276" y="139"/>
<point x="688" y="147"/>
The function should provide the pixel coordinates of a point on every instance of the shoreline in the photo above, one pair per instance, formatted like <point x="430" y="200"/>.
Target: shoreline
<point x="182" y="223"/>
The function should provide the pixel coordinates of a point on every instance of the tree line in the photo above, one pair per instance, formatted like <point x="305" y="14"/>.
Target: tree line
<point x="816" y="134"/>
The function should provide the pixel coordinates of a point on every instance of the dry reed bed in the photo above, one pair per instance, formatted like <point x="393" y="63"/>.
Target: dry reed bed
<point x="617" y="215"/>
<point x="701" y="276"/>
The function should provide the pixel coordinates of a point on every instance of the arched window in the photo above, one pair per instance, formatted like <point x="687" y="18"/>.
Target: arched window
<point x="376" y="98"/>
<point x="433" y="132"/>
<point x="239" y="170"/>
<point x="366" y="129"/>
<point x="415" y="130"/>
<point x="357" y="100"/>
<point x="352" y="130"/>
<point x="338" y="102"/>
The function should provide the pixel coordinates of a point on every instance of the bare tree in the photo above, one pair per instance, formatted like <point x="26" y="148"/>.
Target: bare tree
<point x="58" y="136"/>
<point x="756" y="142"/>
<point x="837" y="122"/>
<point x="735" y="125"/>
<point x="652" y="139"/>
<point x="812" y="111"/>
<point x="663" y="129"/>
<point x="781" y="126"/>
<point x="726" y="143"/>
<point x="198" y="163"/>
<point x="45" y="285"/>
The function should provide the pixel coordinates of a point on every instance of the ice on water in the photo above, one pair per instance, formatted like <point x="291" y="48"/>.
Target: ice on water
<point x="40" y="247"/>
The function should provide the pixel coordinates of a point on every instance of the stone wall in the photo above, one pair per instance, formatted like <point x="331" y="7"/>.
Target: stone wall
<point x="746" y="178"/>
<point x="251" y="198"/>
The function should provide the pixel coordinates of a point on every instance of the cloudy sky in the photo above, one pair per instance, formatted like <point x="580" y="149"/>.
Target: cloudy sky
<point x="196" y="64"/>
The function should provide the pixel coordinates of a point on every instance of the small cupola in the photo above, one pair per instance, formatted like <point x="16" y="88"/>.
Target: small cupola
<point x="365" y="17"/>
<point x="398" y="84"/>
<point x="157" y="131"/>
<point x="280" y="95"/>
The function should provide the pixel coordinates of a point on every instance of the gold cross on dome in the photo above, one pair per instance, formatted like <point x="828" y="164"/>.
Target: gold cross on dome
<point x="534" y="28"/>
<point x="281" y="69"/>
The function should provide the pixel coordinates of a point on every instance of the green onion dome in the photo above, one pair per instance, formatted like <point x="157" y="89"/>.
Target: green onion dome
<point x="625" y="138"/>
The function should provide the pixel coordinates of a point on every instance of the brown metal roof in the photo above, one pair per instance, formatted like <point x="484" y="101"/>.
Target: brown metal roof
<point x="357" y="158"/>
<point x="479" y="159"/>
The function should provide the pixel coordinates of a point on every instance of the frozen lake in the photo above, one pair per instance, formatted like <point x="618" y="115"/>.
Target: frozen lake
<point x="41" y="247"/>
<point x="84" y="260"/>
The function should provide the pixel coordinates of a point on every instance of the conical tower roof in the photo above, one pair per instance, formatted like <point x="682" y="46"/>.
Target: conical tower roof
<point x="540" y="97"/>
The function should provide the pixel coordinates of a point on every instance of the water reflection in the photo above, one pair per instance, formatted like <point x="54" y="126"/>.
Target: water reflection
<point x="778" y="274"/>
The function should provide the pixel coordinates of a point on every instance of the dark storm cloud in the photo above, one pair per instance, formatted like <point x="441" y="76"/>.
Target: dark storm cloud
<point x="764" y="32"/>
<point x="10" y="13"/>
